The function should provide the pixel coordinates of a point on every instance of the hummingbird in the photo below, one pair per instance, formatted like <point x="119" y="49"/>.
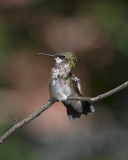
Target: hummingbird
<point x="63" y="84"/>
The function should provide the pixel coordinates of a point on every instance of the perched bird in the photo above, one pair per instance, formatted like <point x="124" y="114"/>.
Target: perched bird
<point x="63" y="84"/>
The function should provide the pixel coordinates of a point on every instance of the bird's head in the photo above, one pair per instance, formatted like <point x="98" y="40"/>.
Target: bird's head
<point x="64" y="57"/>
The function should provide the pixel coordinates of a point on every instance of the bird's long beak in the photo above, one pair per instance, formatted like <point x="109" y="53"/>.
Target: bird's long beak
<point x="52" y="55"/>
<point x="45" y="54"/>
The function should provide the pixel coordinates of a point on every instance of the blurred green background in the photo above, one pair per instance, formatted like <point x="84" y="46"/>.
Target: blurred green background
<point x="97" y="31"/>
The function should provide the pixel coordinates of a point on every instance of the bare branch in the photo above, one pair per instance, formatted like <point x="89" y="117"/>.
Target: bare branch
<point x="51" y="102"/>
<point x="101" y="96"/>
<point x="27" y="120"/>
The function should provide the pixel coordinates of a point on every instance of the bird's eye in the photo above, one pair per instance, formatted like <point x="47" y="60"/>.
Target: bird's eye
<point x="60" y="56"/>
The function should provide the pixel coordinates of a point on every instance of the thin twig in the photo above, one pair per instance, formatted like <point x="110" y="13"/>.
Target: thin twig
<point x="101" y="96"/>
<point x="26" y="120"/>
<point x="51" y="102"/>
